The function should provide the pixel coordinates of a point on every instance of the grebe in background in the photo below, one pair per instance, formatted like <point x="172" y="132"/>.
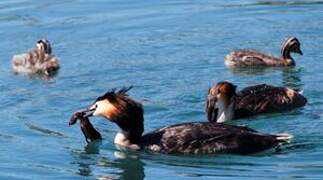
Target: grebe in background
<point x="224" y="104"/>
<point x="184" y="138"/>
<point x="246" y="57"/>
<point x="39" y="60"/>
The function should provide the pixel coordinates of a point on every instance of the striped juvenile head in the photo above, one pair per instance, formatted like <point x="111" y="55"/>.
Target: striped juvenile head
<point x="44" y="46"/>
<point x="291" y="44"/>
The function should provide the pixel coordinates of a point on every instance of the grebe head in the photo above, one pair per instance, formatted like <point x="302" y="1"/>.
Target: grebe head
<point x="118" y="107"/>
<point x="291" y="44"/>
<point x="219" y="95"/>
<point x="44" y="45"/>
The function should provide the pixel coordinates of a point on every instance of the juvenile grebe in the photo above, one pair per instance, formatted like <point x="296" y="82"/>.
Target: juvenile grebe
<point x="39" y="60"/>
<point x="223" y="103"/>
<point x="247" y="57"/>
<point x="185" y="138"/>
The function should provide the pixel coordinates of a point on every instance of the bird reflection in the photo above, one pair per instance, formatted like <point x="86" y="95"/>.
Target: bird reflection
<point x="130" y="164"/>
<point x="127" y="163"/>
<point x="255" y="70"/>
<point x="291" y="76"/>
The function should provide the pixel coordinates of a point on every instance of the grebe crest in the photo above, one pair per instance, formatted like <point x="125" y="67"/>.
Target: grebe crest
<point x="116" y="106"/>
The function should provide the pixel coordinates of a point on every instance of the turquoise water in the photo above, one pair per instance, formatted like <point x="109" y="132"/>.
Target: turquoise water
<point x="172" y="52"/>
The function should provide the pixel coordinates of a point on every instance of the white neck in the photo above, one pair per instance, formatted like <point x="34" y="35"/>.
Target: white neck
<point x="122" y="140"/>
<point x="225" y="110"/>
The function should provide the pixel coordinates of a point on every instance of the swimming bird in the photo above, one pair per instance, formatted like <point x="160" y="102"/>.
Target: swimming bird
<point x="185" y="138"/>
<point x="246" y="57"/>
<point x="38" y="60"/>
<point x="224" y="104"/>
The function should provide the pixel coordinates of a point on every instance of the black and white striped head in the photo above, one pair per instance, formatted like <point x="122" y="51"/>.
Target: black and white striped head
<point x="44" y="45"/>
<point x="291" y="44"/>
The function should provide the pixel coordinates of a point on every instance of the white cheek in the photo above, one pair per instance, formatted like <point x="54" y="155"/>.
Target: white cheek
<point x="97" y="112"/>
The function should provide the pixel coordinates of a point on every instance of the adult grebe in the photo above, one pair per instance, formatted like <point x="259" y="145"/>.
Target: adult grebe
<point x="39" y="60"/>
<point x="246" y="57"/>
<point x="184" y="138"/>
<point x="223" y="103"/>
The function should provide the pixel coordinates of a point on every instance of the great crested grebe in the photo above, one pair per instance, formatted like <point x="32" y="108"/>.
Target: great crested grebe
<point x="39" y="60"/>
<point x="223" y="103"/>
<point x="185" y="138"/>
<point x="246" y="57"/>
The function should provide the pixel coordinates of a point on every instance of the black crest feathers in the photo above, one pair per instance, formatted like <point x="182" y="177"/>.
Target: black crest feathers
<point x="112" y="93"/>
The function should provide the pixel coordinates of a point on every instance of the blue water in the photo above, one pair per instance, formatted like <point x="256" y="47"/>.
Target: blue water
<point x="172" y="52"/>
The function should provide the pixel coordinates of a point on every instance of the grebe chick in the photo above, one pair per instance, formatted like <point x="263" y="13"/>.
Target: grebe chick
<point x="39" y="60"/>
<point x="246" y="57"/>
<point x="223" y="103"/>
<point x="185" y="138"/>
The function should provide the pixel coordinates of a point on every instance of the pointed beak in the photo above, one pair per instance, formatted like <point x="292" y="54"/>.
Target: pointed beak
<point x="88" y="112"/>
<point x="299" y="51"/>
<point x="84" y="113"/>
<point x="211" y="108"/>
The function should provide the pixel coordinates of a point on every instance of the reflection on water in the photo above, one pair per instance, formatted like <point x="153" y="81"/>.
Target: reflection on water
<point x="130" y="165"/>
<point x="291" y="76"/>
<point x="125" y="164"/>
<point x="255" y="70"/>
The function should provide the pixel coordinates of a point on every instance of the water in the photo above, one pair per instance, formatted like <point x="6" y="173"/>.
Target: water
<point x="172" y="52"/>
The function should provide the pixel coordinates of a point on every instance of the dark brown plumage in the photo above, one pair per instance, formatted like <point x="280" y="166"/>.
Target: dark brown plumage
<point x="254" y="100"/>
<point x="245" y="57"/>
<point x="186" y="138"/>
<point x="209" y="138"/>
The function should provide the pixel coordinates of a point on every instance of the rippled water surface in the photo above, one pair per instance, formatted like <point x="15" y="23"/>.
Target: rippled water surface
<point x="172" y="52"/>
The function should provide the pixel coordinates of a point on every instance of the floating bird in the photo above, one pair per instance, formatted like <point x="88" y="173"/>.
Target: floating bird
<point x="185" y="138"/>
<point x="246" y="57"/>
<point x="39" y="60"/>
<point x="224" y="104"/>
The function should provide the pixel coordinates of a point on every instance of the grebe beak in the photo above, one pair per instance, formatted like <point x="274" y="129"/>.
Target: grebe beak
<point x="88" y="112"/>
<point x="84" y="113"/>
<point x="299" y="51"/>
<point x="211" y="108"/>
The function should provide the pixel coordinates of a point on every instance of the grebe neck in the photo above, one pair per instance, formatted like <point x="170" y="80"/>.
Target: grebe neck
<point x="225" y="109"/>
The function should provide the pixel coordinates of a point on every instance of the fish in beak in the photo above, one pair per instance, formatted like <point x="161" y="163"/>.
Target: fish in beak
<point x="89" y="132"/>
<point x="84" y="113"/>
